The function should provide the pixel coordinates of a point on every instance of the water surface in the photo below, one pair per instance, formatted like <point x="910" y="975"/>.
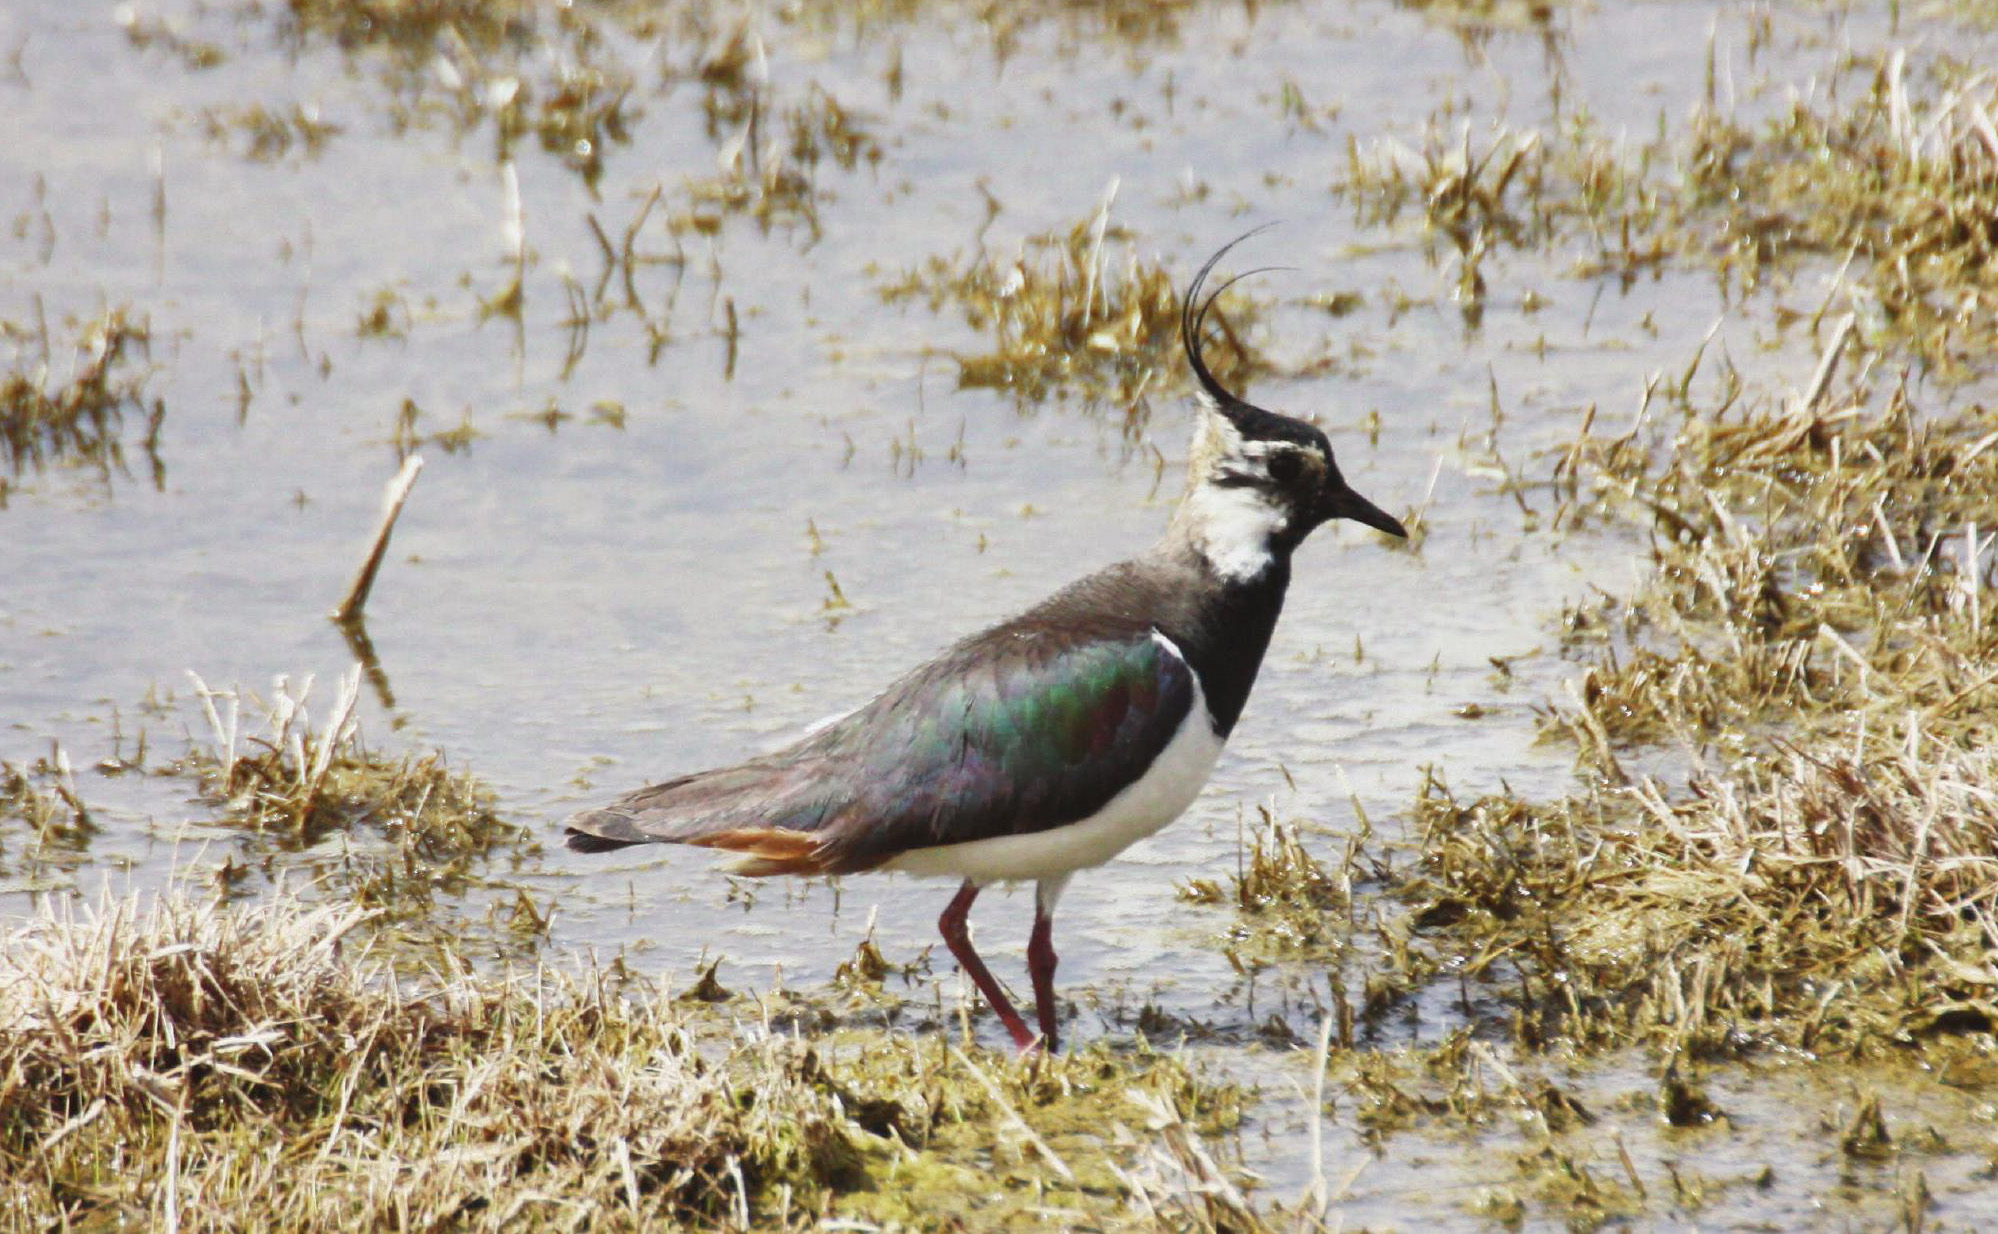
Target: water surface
<point x="581" y="603"/>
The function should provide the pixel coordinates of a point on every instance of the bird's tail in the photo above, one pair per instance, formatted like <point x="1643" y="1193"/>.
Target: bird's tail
<point x="589" y="842"/>
<point x="752" y="811"/>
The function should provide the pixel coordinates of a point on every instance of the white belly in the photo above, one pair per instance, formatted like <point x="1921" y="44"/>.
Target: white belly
<point x="1158" y="797"/>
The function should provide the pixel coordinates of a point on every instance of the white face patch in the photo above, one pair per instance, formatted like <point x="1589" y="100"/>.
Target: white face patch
<point x="1232" y="527"/>
<point x="1231" y="524"/>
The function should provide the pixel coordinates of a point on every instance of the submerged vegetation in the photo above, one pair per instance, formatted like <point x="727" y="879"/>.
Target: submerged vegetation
<point x="1289" y="905"/>
<point x="1810" y="648"/>
<point x="1784" y="843"/>
<point x="1066" y="319"/>
<point x="1901" y="181"/>
<point x="69" y="406"/>
<point x="44" y="825"/>
<point x="1780" y="848"/>
<point x="1890" y="170"/>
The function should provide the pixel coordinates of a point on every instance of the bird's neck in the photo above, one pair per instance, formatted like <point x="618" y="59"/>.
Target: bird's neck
<point x="1227" y="542"/>
<point x="1223" y="623"/>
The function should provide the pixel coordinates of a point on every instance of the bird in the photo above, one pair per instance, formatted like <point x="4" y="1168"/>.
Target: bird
<point x="1054" y="740"/>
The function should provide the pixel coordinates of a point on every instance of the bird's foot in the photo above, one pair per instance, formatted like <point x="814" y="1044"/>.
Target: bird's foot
<point x="1025" y="1041"/>
<point x="1036" y="1045"/>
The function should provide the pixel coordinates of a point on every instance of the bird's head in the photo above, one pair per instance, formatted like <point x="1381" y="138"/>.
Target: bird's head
<point x="1259" y="482"/>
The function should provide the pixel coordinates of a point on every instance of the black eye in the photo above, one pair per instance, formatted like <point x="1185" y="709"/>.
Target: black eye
<point x="1285" y="467"/>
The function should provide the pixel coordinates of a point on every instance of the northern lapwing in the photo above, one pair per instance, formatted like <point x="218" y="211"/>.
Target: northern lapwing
<point x="1056" y="739"/>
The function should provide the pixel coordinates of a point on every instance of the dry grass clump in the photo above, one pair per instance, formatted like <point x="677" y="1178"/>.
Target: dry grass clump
<point x="766" y="173"/>
<point x="1817" y="566"/>
<point x="235" y="1067"/>
<point x="47" y="810"/>
<point x="566" y="77"/>
<point x="199" y="1066"/>
<point x="1465" y="196"/>
<point x="1065" y="320"/>
<point x="414" y="25"/>
<point x="146" y="32"/>
<point x="391" y="832"/>
<point x="1814" y="640"/>
<point x="581" y="112"/>
<point x="1903" y="178"/>
<point x="270" y="134"/>
<point x="529" y="69"/>
<point x="51" y="414"/>
<point x="1287" y="901"/>
<point x="1891" y="167"/>
<point x="1518" y="188"/>
<point x="1136" y="23"/>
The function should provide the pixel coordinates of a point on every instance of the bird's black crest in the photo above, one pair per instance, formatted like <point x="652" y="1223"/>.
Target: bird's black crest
<point x="1251" y="420"/>
<point x="1193" y="322"/>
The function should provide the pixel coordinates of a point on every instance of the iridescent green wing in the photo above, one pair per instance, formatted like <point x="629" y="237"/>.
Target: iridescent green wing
<point x="1025" y="728"/>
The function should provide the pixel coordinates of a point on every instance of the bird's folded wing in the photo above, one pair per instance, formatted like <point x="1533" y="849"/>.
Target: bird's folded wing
<point x="1023" y="729"/>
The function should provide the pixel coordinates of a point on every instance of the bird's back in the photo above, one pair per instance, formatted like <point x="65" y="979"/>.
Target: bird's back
<point x="1032" y="724"/>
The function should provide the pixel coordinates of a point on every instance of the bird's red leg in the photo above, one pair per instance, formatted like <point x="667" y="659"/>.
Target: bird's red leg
<point x="951" y="925"/>
<point x="1041" y="959"/>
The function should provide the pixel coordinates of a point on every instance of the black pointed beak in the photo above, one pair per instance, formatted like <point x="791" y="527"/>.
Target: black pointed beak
<point x="1343" y="502"/>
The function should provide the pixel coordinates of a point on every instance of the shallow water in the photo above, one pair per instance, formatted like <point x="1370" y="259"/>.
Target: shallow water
<point x="573" y="609"/>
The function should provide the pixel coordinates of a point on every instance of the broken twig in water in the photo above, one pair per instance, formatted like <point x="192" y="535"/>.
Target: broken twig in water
<point x="364" y="581"/>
